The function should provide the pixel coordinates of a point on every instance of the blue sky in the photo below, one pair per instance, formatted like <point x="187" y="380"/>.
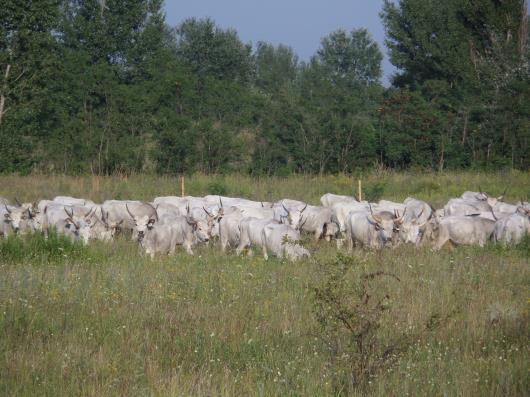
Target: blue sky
<point x="297" y="23"/>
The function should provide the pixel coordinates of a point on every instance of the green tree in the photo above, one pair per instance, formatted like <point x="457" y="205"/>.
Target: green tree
<point x="28" y="57"/>
<point x="212" y="51"/>
<point x="275" y="67"/>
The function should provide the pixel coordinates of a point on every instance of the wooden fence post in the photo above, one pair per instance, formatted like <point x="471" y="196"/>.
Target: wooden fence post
<point x="360" y="190"/>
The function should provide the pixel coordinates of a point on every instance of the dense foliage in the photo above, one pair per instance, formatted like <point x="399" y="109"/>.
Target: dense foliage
<point x="88" y="86"/>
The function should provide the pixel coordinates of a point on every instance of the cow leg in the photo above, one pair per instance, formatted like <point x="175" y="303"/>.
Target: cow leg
<point x="188" y="249"/>
<point x="440" y="243"/>
<point x="224" y="243"/>
<point x="265" y="255"/>
<point x="240" y="247"/>
<point x="318" y="234"/>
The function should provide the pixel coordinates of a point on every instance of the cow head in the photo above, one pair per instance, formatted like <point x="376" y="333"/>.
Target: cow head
<point x="385" y="223"/>
<point x="483" y="196"/>
<point x="99" y="228"/>
<point x="142" y="223"/>
<point x="201" y="228"/>
<point x="411" y="230"/>
<point x="18" y="217"/>
<point x="523" y="211"/>
<point x="294" y="218"/>
<point x="78" y="228"/>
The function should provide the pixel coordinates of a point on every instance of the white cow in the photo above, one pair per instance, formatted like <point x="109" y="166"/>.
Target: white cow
<point x="251" y="230"/>
<point x="171" y="231"/>
<point x="320" y="221"/>
<point x="372" y="230"/>
<point x="136" y="216"/>
<point x="282" y="241"/>
<point x="67" y="200"/>
<point x="330" y="199"/>
<point x="464" y="230"/>
<point x="342" y="211"/>
<point x="512" y="229"/>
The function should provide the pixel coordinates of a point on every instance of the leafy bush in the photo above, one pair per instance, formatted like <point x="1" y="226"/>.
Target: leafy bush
<point x="351" y="315"/>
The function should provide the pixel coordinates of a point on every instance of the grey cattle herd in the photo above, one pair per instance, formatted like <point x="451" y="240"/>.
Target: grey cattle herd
<point x="275" y="228"/>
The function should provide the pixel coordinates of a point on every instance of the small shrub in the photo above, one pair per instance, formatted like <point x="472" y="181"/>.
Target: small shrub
<point x="351" y="314"/>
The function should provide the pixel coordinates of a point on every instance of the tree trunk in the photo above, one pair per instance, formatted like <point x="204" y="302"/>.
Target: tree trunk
<point x="441" y="164"/>
<point x="4" y="93"/>
<point x="464" y="132"/>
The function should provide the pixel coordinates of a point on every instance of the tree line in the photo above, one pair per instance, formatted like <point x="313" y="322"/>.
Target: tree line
<point x="94" y="86"/>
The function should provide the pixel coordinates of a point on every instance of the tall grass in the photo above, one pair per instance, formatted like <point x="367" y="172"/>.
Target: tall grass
<point x="391" y="185"/>
<point x="103" y="320"/>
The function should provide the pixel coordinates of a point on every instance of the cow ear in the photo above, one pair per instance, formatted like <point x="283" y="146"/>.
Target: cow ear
<point x="68" y="224"/>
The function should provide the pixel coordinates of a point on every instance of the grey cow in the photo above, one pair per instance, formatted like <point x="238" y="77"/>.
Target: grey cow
<point x="136" y="216"/>
<point x="513" y="228"/>
<point x="321" y="222"/>
<point x="164" y="236"/>
<point x="251" y="230"/>
<point x="372" y="230"/>
<point x="282" y="241"/>
<point x="464" y="230"/>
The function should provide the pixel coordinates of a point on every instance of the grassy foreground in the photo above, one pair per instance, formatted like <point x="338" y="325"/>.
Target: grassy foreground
<point x="102" y="320"/>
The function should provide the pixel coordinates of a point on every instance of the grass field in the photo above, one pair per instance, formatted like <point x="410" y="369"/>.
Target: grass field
<point x="102" y="320"/>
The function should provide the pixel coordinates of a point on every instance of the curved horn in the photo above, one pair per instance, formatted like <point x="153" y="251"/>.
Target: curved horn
<point x="301" y="224"/>
<point x="493" y="213"/>
<point x="7" y="209"/>
<point x="188" y="208"/>
<point x="89" y="212"/>
<point x="70" y="214"/>
<point x="127" y="208"/>
<point x="221" y="202"/>
<point x="154" y="209"/>
<point x="399" y="219"/>
<point x="303" y="209"/>
<point x="18" y="202"/>
<point x="262" y="204"/>
<point x="433" y="211"/>
<point x="420" y="214"/>
<point x="207" y="213"/>
<point x="104" y="217"/>
<point x="285" y="208"/>
<point x="376" y="218"/>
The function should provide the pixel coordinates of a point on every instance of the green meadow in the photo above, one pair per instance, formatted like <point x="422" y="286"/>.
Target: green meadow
<point x="104" y="320"/>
